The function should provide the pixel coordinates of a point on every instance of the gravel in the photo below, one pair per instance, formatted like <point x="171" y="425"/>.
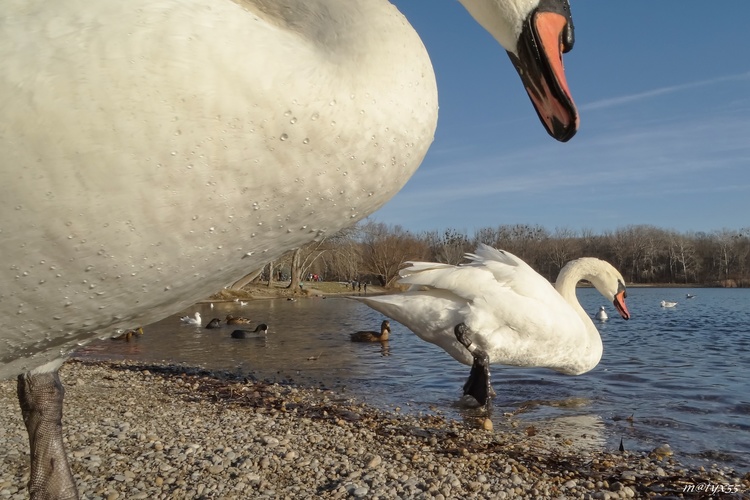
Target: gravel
<point x="144" y="431"/>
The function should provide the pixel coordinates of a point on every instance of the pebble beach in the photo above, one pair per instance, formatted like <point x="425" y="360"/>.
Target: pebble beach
<point x="146" y="431"/>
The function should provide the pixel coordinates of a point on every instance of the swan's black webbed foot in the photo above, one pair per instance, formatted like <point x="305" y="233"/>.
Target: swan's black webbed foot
<point x="478" y="384"/>
<point x="41" y="398"/>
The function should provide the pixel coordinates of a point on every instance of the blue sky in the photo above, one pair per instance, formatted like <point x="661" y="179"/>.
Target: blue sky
<point x="663" y="90"/>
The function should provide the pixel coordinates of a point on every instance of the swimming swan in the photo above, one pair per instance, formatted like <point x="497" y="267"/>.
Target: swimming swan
<point x="498" y="310"/>
<point x="155" y="151"/>
<point x="368" y="336"/>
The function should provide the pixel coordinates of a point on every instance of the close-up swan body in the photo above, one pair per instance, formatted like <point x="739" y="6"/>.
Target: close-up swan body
<point x="498" y="310"/>
<point x="154" y="152"/>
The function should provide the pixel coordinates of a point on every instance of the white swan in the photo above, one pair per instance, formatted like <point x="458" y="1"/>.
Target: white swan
<point x="666" y="303"/>
<point x="488" y="311"/>
<point x="601" y="314"/>
<point x="155" y="151"/>
<point x="195" y="320"/>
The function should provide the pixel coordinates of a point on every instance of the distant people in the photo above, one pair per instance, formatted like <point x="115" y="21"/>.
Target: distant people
<point x="365" y="287"/>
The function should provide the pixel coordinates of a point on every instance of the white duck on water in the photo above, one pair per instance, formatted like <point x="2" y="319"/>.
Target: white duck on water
<point x="498" y="310"/>
<point x="155" y="151"/>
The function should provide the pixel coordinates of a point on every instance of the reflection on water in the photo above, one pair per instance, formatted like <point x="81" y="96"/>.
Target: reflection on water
<point x="676" y="375"/>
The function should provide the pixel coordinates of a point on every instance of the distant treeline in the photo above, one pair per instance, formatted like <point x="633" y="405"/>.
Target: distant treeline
<point x="644" y="254"/>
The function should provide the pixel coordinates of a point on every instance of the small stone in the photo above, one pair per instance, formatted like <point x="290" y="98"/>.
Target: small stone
<point x="374" y="461"/>
<point x="216" y="469"/>
<point x="270" y="441"/>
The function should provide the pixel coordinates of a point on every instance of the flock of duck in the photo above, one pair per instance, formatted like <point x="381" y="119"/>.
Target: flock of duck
<point x="243" y="130"/>
<point x="215" y="323"/>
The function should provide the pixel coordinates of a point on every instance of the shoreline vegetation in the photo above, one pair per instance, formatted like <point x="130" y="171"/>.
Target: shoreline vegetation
<point x="280" y="289"/>
<point x="148" y="431"/>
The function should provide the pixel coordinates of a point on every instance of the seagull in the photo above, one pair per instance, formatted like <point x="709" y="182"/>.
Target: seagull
<point x="666" y="303"/>
<point x="155" y="151"/>
<point x="601" y="314"/>
<point x="195" y="320"/>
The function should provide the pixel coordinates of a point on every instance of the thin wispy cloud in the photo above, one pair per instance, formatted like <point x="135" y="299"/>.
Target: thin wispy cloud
<point x="629" y="99"/>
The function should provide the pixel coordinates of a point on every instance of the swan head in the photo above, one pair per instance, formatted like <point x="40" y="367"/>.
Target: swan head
<point x="605" y="278"/>
<point x="611" y="284"/>
<point x="535" y="34"/>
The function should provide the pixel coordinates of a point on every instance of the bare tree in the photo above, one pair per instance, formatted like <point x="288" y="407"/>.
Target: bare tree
<point x="385" y="250"/>
<point x="302" y="258"/>
<point x="448" y="247"/>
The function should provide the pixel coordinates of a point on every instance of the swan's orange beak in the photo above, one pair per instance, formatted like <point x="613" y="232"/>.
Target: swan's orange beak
<point x="545" y="36"/>
<point x="619" y="304"/>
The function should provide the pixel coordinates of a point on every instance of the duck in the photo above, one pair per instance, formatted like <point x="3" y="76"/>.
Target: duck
<point x="368" y="336"/>
<point x="239" y="104"/>
<point x="237" y="320"/>
<point x="666" y="303"/>
<point x="260" y="331"/>
<point x="126" y="335"/>
<point x="497" y="310"/>
<point x="601" y="314"/>
<point x="213" y="324"/>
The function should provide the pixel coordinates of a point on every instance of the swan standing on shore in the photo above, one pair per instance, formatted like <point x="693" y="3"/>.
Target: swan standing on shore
<point x="155" y="151"/>
<point x="498" y="310"/>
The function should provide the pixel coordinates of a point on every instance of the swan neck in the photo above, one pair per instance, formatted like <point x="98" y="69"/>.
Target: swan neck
<point x="567" y="281"/>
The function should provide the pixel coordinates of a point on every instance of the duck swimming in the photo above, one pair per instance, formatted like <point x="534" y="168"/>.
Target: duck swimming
<point x="213" y="324"/>
<point x="259" y="109"/>
<point x="128" y="334"/>
<point x="498" y="310"/>
<point x="367" y="336"/>
<point x="237" y="320"/>
<point x="260" y="331"/>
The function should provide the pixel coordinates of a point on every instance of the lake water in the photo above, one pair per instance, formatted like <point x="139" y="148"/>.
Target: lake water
<point x="681" y="373"/>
